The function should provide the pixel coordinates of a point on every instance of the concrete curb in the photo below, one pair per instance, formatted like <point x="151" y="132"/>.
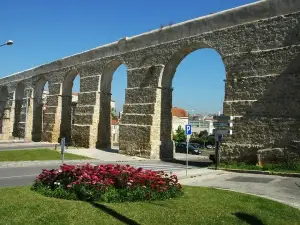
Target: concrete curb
<point x="260" y="172"/>
<point x="188" y="176"/>
<point x="192" y="173"/>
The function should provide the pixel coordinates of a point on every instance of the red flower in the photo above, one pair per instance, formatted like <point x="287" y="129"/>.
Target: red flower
<point x="103" y="176"/>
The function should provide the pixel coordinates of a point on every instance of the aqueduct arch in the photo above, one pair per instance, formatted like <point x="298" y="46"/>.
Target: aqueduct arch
<point x="260" y="48"/>
<point x="18" y="130"/>
<point x="66" y="108"/>
<point x="104" y="127"/>
<point x="165" y="82"/>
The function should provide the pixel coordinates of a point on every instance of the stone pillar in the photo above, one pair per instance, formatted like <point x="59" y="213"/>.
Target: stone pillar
<point x="85" y="127"/>
<point x="167" y="149"/>
<point x="140" y="128"/>
<point x="66" y="110"/>
<point x="26" y="125"/>
<point x="52" y="117"/>
<point x="262" y="91"/>
<point x="104" y="129"/>
<point x="38" y="118"/>
<point x="7" y="119"/>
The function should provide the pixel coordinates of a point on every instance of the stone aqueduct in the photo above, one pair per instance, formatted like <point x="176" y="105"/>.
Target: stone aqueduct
<point x="260" y="47"/>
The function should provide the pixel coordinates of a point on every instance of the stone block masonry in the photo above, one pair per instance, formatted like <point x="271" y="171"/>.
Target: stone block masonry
<point x="260" y="47"/>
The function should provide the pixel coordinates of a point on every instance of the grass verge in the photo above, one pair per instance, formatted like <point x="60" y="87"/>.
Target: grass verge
<point x="292" y="167"/>
<point x="35" y="154"/>
<point x="197" y="206"/>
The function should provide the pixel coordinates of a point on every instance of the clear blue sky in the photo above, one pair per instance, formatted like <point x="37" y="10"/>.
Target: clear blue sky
<point x="44" y="31"/>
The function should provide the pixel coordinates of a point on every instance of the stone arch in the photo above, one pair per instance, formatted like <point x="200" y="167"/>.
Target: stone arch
<point x="3" y="101"/>
<point x="165" y="82"/>
<point x="66" y="109"/>
<point x="18" y="130"/>
<point x="176" y="59"/>
<point x="104" y="127"/>
<point x="38" y="109"/>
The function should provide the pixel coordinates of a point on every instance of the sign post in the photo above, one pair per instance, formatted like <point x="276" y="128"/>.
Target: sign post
<point x="219" y="140"/>
<point x="223" y="126"/>
<point x="188" y="132"/>
<point x="62" y="149"/>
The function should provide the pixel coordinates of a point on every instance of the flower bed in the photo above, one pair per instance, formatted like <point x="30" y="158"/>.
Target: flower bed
<point x="108" y="183"/>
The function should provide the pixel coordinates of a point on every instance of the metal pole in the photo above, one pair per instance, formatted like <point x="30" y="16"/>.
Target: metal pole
<point x="217" y="154"/>
<point x="62" y="145"/>
<point x="26" y="115"/>
<point x="187" y="152"/>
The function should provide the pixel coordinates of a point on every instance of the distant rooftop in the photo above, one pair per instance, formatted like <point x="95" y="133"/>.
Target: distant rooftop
<point x="179" y="112"/>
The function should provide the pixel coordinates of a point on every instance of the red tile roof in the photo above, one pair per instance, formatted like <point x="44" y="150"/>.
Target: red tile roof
<point x="114" y="122"/>
<point x="179" y="112"/>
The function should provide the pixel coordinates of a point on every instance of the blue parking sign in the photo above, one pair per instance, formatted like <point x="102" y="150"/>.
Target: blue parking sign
<point x="188" y="129"/>
<point x="220" y="137"/>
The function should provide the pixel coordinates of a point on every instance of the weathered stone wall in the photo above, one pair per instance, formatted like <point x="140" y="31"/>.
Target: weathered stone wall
<point x="263" y="88"/>
<point x="259" y="44"/>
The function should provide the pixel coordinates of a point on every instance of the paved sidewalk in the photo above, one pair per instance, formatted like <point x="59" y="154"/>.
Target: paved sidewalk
<point x="17" y="145"/>
<point x="281" y="189"/>
<point x="102" y="155"/>
<point x="95" y="155"/>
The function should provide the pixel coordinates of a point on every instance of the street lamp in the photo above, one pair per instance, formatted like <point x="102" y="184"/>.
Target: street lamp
<point x="9" y="42"/>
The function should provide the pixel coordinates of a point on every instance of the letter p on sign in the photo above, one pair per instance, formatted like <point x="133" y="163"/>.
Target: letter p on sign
<point x="188" y="129"/>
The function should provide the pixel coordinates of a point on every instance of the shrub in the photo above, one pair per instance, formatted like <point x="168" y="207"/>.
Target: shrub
<point x="109" y="183"/>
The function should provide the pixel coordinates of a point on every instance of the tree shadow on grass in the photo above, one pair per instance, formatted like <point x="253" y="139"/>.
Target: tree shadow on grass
<point x="114" y="214"/>
<point x="252" y="220"/>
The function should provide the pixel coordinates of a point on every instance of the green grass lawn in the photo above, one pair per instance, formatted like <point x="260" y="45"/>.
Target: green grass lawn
<point x="197" y="206"/>
<point x="35" y="154"/>
<point x="293" y="167"/>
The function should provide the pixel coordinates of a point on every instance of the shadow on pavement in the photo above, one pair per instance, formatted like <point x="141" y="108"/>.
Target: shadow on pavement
<point x="112" y="150"/>
<point x="252" y="220"/>
<point x="195" y="163"/>
<point x="114" y="214"/>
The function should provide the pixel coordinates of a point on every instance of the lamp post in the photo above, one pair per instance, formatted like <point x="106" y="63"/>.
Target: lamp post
<point x="9" y="42"/>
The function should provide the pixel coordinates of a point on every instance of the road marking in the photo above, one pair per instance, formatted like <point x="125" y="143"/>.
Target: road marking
<point x="31" y="175"/>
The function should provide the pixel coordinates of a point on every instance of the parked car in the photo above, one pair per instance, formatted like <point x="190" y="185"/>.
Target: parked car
<point x="181" y="148"/>
<point x="209" y="146"/>
<point x="196" y="145"/>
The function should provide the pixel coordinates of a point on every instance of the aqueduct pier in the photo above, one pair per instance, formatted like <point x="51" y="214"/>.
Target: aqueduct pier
<point x="260" y="47"/>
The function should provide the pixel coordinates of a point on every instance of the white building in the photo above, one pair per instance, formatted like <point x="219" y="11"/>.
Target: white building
<point x="114" y="132"/>
<point x="201" y="123"/>
<point x="113" y="105"/>
<point x="179" y="118"/>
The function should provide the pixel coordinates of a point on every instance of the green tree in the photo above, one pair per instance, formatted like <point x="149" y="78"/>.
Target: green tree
<point x="179" y="135"/>
<point x="113" y="114"/>
<point x="203" y="135"/>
